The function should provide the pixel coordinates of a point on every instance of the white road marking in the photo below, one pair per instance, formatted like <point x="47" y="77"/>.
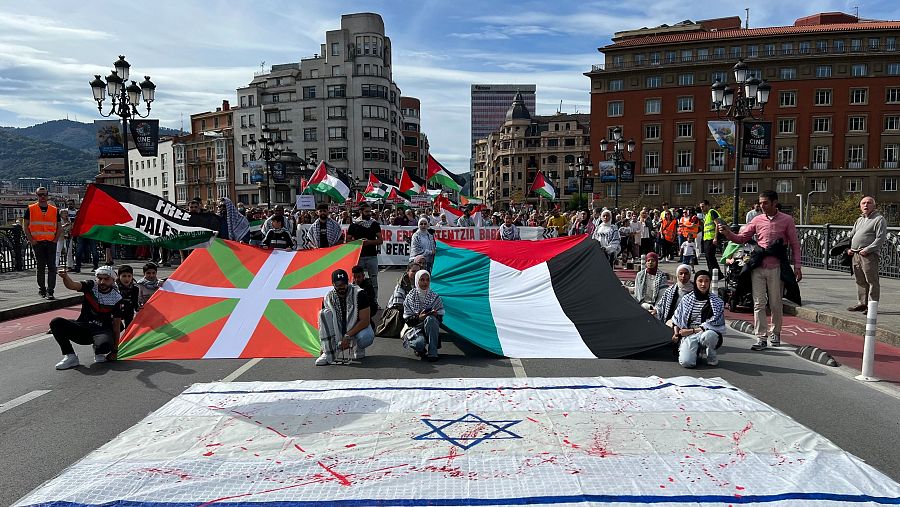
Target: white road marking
<point x="25" y="398"/>
<point x="23" y="341"/>
<point x="243" y="369"/>
<point x="517" y="367"/>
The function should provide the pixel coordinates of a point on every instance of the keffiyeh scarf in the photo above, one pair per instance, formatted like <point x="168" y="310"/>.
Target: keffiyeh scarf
<point x="333" y="231"/>
<point x="238" y="225"/>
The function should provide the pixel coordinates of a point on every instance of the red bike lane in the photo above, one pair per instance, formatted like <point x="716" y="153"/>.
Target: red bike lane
<point x="23" y="327"/>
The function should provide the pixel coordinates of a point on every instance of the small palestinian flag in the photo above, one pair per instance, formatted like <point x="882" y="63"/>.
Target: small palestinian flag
<point x="398" y="200"/>
<point x="375" y="190"/>
<point x="411" y="184"/>
<point x="440" y="176"/>
<point x="542" y="187"/>
<point x="237" y="301"/>
<point x="443" y="204"/>
<point x="554" y="298"/>
<point x="465" y="200"/>
<point x="323" y="183"/>
<point x="256" y="226"/>
<point x="127" y="216"/>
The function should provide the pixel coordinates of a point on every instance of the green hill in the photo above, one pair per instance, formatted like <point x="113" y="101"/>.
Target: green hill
<point x="22" y="156"/>
<point x="74" y="134"/>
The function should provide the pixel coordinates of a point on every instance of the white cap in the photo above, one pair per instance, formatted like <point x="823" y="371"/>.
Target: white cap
<point x="105" y="271"/>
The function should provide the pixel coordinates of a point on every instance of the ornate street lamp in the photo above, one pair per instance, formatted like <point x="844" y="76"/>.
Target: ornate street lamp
<point x="618" y="147"/>
<point x="270" y="148"/>
<point x="125" y="99"/>
<point x="580" y="169"/>
<point x="747" y="100"/>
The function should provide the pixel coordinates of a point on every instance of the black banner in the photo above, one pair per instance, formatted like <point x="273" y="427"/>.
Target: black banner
<point x="278" y="172"/>
<point x="587" y="186"/>
<point x="757" y="140"/>
<point x="146" y="136"/>
<point x="626" y="171"/>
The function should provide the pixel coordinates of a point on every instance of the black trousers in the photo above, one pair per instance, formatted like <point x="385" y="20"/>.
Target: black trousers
<point x="45" y="257"/>
<point x="68" y="331"/>
<point x="646" y="245"/>
<point x="709" y="249"/>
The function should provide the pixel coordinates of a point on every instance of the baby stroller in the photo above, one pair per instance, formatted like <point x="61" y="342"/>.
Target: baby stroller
<point x="733" y="260"/>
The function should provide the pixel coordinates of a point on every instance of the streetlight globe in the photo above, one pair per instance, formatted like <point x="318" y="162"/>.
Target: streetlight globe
<point x="631" y="145"/>
<point x="604" y="144"/>
<point x="134" y="93"/>
<point x="741" y="70"/>
<point x="113" y="85"/>
<point x="750" y="87"/>
<point x="617" y="133"/>
<point x="98" y="87"/>
<point x="148" y="90"/>
<point x="762" y="93"/>
<point x="728" y="98"/>
<point x="122" y="67"/>
<point x="718" y="92"/>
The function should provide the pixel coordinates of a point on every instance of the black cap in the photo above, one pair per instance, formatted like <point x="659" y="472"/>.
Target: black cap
<point x="339" y="275"/>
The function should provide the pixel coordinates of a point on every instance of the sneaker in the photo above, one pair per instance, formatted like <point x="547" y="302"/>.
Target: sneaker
<point x="431" y="359"/>
<point x="323" y="360"/>
<point x="42" y="293"/>
<point x="856" y="308"/>
<point x="50" y="295"/>
<point x="68" y="361"/>
<point x="759" y="345"/>
<point x="360" y="353"/>
<point x="712" y="362"/>
<point x="99" y="358"/>
<point x="775" y="340"/>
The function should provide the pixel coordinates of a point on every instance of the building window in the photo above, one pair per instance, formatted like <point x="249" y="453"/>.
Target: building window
<point x="654" y="81"/>
<point x="770" y="49"/>
<point x="337" y="153"/>
<point x="337" y="112"/>
<point x="893" y="69"/>
<point x="685" y="160"/>
<point x="337" y="91"/>
<point x="784" y="186"/>
<point x="822" y="125"/>
<point x="859" y="96"/>
<point x="786" y="126"/>
<point x="822" y="97"/>
<point x="874" y="42"/>
<point x="651" y="131"/>
<point x="309" y="114"/>
<point x="892" y="123"/>
<point x="787" y="48"/>
<point x="735" y="51"/>
<point x="890" y="44"/>
<point x="616" y="85"/>
<point x="821" y="156"/>
<point x="337" y="133"/>
<point x="838" y="46"/>
<point x="715" y="187"/>
<point x="639" y="60"/>
<point x="823" y="71"/>
<point x="683" y="188"/>
<point x="651" y="162"/>
<point x="703" y="54"/>
<point x="785" y="157"/>
<point x="719" y="75"/>
<point x="752" y="51"/>
<point x="719" y="53"/>
<point x="615" y="108"/>
<point x="889" y="184"/>
<point x="856" y="124"/>
<point x="687" y="55"/>
<point x="788" y="72"/>
<point x="854" y="185"/>
<point x="822" y="46"/>
<point x="654" y="58"/>
<point x="651" y="189"/>
<point x="671" y="56"/>
<point x="858" y="70"/>
<point x="750" y="187"/>
<point x="685" y="130"/>
<point x="804" y="48"/>
<point x="819" y="184"/>
<point x="685" y="79"/>
<point x="652" y="106"/>
<point x="716" y="159"/>
<point x="787" y="98"/>
<point x="309" y="134"/>
<point x="335" y="49"/>
<point x="375" y="112"/>
<point x="309" y="92"/>
<point x="893" y="96"/>
<point x="856" y="154"/>
<point x="685" y="104"/>
<point x="855" y="45"/>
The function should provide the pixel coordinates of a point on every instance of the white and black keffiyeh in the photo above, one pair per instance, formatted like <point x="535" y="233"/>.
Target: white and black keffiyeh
<point x="333" y="232"/>
<point x="365" y="223"/>
<point x="509" y="233"/>
<point x="238" y="225"/>
<point x="422" y="243"/>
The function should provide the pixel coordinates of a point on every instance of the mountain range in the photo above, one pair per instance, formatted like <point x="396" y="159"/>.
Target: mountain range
<point x="60" y="149"/>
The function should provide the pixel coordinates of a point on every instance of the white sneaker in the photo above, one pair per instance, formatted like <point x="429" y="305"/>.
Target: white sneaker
<point x="323" y="360"/>
<point x="712" y="361"/>
<point x="68" y="361"/>
<point x="99" y="358"/>
<point x="360" y="353"/>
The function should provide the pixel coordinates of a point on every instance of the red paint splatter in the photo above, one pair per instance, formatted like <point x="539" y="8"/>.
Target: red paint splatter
<point x="299" y="448"/>
<point x="570" y="444"/>
<point x="209" y="453"/>
<point x="714" y="435"/>
<point x="280" y="434"/>
<point x="341" y="478"/>
<point x="213" y="445"/>
<point x="671" y="479"/>
<point x="600" y="444"/>
<point x="350" y="445"/>
<point x="533" y="420"/>
<point x="663" y="486"/>
<point x="740" y="488"/>
<point x="167" y="471"/>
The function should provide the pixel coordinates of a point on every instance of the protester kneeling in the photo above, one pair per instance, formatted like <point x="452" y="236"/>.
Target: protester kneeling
<point x="98" y="324"/>
<point x="346" y="314"/>
<point x="699" y="323"/>
<point x="423" y="311"/>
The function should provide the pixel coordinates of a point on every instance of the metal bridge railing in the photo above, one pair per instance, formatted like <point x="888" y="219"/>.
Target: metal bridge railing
<point x="816" y="241"/>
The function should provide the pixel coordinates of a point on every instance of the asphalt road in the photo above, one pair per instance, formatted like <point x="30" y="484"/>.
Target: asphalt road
<point x="89" y="406"/>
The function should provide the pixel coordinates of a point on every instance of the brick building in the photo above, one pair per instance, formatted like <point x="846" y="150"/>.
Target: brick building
<point x="415" y="142"/>
<point x="204" y="159"/>
<point x="834" y="104"/>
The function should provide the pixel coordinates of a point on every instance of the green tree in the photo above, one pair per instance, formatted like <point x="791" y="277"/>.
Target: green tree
<point x="578" y="201"/>
<point x="724" y="204"/>
<point x="843" y="210"/>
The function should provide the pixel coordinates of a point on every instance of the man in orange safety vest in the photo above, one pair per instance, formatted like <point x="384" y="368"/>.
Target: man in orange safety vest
<point x="42" y="229"/>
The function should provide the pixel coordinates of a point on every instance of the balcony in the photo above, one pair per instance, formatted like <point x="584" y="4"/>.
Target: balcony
<point x="889" y="164"/>
<point x="716" y="168"/>
<point x="651" y="170"/>
<point x="750" y="167"/>
<point x="684" y="169"/>
<point x="785" y="166"/>
<point x="856" y="164"/>
<point x="819" y="166"/>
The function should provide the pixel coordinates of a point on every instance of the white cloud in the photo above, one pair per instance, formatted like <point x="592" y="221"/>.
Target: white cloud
<point x="27" y="27"/>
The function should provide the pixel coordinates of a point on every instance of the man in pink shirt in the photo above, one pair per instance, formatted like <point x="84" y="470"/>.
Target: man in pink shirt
<point x="768" y="286"/>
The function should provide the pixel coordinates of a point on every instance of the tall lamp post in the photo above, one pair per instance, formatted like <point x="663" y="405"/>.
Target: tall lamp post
<point x="270" y="148"/>
<point x="746" y="100"/>
<point x="580" y="170"/>
<point x="125" y="100"/>
<point x="618" y="147"/>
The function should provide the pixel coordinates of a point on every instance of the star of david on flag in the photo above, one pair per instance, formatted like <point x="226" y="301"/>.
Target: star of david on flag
<point x="467" y="431"/>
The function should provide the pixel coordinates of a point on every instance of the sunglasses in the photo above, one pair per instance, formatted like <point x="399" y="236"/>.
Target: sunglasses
<point x="42" y="195"/>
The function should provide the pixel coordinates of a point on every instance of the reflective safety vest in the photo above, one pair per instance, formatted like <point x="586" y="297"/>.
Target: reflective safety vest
<point x="689" y="228"/>
<point x="42" y="224"/>
<point x="668" y="228"/>
<point x="709" y="225"/>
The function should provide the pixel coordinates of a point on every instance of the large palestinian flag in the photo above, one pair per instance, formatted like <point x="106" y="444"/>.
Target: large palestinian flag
<point x="333" y="186"/>
<point x="232" y="300"/>
<point x="440" y="176"/>
<point x="410" y="184"/>
<point x="127" y="216"/>
<point x="555" y="298"/>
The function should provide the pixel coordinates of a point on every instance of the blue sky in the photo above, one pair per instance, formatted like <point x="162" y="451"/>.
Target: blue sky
<point x="198" y="53"/>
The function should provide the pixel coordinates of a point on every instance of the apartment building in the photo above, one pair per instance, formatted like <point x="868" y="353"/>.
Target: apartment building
<point x="204" y="159"/>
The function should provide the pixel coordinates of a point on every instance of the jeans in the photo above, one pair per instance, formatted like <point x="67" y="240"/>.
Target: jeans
<point x="86" y="248"/>
<point x="428" y="338"/>
<point x="329" y="341"/>
<point x="45" y="257"/>
<point x="371" y="266"/>
<point x="768" y="289"/>
<point x="687" y="350"/>
<point x="67" y="331"/>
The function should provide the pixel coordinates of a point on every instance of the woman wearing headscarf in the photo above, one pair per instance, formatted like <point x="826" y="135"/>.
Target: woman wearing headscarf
<point x="699" y="323"/>
<point x="650" y="283"/>
<point x="423" y="311"/>
<point x="666" y="306"/>
<point x="422" y="243"/>
<point x="607" y="234"/>
<point x="580" y="224"/>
